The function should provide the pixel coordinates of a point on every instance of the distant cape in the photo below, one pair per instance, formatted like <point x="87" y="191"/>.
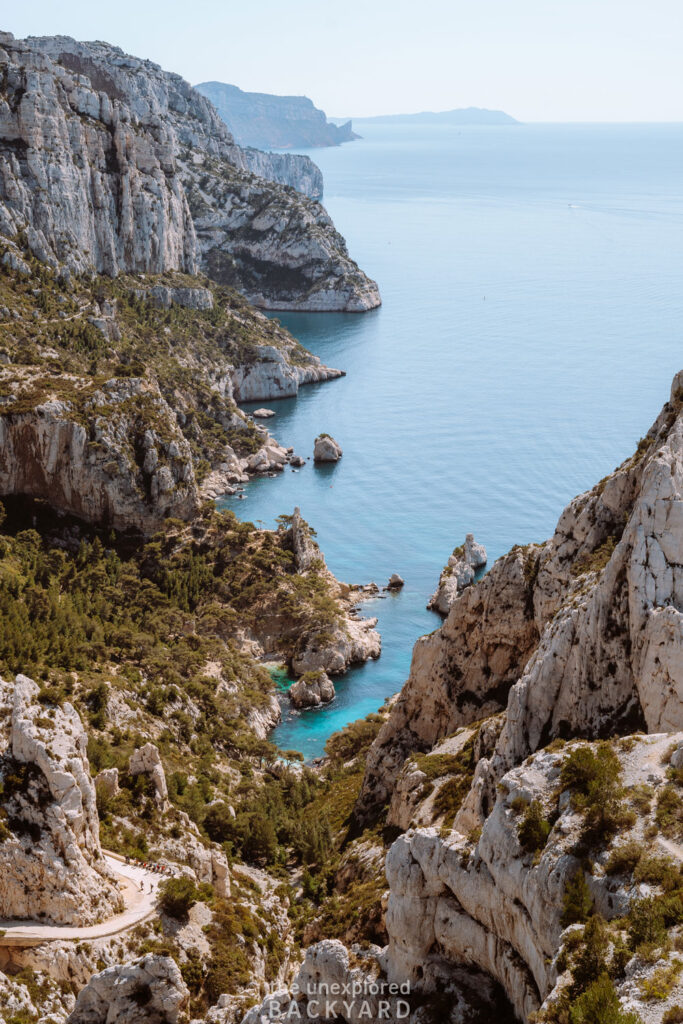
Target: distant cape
<point x="274" y="122"/>
<point x="465" y="115"/>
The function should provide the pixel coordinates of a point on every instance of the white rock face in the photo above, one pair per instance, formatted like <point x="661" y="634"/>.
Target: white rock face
<point x="146" y="760"/>
<point x="458" y="574"/>
<point x="274" y="376"/>
<point x="151" y="989"/>
<point x="112" y="454"/>
<point x="355" y="641"/>
<point x="313" y="689"/>
<point x="100" y="152"/>
<point x="51" y="863"/>
<point x="326" y="449"/>
<point x="493" y="906"/>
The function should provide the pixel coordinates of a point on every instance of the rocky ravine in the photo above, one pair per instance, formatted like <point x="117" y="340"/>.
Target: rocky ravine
<point x="108" y="163"/>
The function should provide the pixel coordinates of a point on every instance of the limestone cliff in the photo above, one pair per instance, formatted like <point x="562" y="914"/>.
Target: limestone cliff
<point x="50" y="857"/>
<point x="274" y="122"/>
<point x="579" y="636"/>
<point x="111" y="453"/>
<point x="108" y="163"/>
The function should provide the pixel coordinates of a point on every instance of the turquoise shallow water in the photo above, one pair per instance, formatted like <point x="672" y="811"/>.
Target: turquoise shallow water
<point x="532" y="285"/>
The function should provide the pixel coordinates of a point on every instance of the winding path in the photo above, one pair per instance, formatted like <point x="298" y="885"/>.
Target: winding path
<point x="139" y="905"/>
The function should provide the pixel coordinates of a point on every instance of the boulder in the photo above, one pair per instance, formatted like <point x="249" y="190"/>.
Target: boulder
<point x="262" y="414"/>
<point x="326" y="449"/>
<point x="395" y="582"/>
<point x="150" y="990"/>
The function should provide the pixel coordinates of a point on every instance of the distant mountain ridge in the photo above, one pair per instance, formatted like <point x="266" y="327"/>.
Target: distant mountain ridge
<point x="274" y="122"/>
<point x="464" y="115"/>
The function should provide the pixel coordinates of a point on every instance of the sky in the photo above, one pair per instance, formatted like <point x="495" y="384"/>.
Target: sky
<point x="539" y="60"/>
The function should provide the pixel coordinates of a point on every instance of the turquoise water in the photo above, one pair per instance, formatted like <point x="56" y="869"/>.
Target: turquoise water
<point x="532" y="281"/>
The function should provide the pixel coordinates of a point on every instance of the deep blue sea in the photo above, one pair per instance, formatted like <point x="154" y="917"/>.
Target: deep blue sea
<point x="532" y="320"/>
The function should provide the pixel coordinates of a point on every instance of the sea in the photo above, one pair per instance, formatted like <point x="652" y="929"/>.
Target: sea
<point x="531" y="322"/>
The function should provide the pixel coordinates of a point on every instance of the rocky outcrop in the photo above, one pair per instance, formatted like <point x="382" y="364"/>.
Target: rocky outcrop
<point x="326" y="449"/>
<point x="151" y="989"/>
<point x="146" y="760"/>
<point x="274" y="375"/>
<point x="274" y="122"/>
<point x="107" y="453"/>
<point x="579" y="636"/>
<point x="306" y="551"/>
<point x="312" y="690"/>
<point x="336" y="985"/>
<point x="460" y="673"/>
<point x="493" y="905"/>
<point x="459" y="573"/>
<point x="50" y="858"/>
<point x="334" y="648"/>
<point x="108" y="163"/>
<point x="297" y="171"/>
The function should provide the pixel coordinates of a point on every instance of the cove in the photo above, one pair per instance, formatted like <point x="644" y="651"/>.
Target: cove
<point x="531" y="321"/>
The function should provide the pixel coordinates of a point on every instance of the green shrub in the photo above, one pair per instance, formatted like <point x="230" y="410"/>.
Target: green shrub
<point x="669" y="812"/>
<point x="661" y="981"/>
<point x="674" y="1015"/>
<point x="578" y="901"/>
<point x="658" y="871"/>
<point x="624" y="859"/>
<point x="600" y="1005"/>
<point x="176" y="896"/>
<point x="533" y="830"/>
<point x="590" y="961"/>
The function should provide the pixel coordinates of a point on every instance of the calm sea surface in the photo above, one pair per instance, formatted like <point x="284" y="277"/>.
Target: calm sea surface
<point x="532" y="285"/>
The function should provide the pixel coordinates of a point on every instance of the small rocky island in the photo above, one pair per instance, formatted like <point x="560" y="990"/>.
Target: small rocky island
<point x="326" y="449"/>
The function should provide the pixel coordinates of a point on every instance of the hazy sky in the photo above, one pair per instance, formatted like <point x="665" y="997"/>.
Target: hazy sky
<point x="540" y="60"/>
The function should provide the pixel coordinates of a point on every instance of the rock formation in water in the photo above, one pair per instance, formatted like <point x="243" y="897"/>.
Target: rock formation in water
<point x="51" y="864"/>
<point x="326" y="449"/>
<point x="108" y="163"/>
<point x="458" y="573"/>
<point x="313" y="689"/>
<point x="274" y="122"/>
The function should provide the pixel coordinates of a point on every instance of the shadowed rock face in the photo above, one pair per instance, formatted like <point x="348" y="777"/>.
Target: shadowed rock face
<point x="110" y="454"/>
<point x="51" y="863"/>
<point x="108" y="163"/>
<point x="578" y="636"/>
